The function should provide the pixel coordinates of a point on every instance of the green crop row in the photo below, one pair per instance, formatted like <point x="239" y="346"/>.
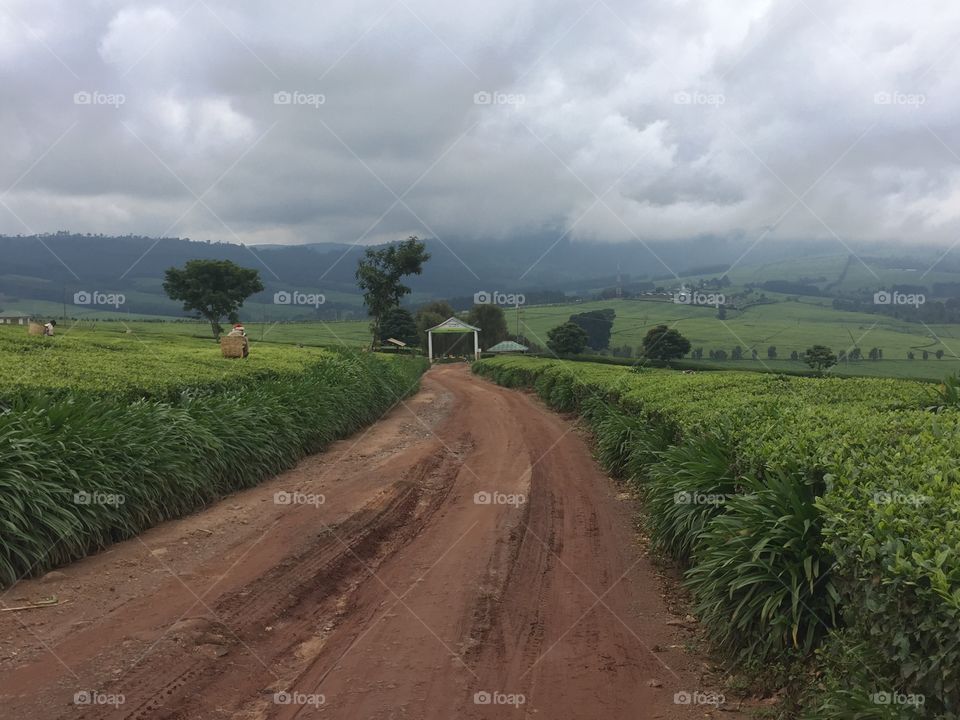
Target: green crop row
<point x="80" y="469"/>
<point x="129" y="366"/>
<point x="818" y="519"/>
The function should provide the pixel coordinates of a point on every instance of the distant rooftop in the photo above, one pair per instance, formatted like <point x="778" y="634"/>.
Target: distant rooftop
<point x="508" y="346"/>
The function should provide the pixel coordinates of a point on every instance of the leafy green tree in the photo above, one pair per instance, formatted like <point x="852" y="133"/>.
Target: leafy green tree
<point x="399" y="324"/>
<point x="772" y="352"/>
<point x="819" y="358"/>
<point x="532" y="345"/>
<point x="214" y="289"/>
<point x="437" y="307"/>
<point x="492" y="323"/>
<point x="939" y="354"/>
<point x="664" y="343"/>
<point x="722" y="312"/>
<point x="567" y="339"/>
<point x="719" y="354"/>
<point x="794" y="355"/>
<point x="697" y="353"/>
<point x="379" y="274"/>
<point x="926" y="355"/>
<point x="597" y="324"/>
<point x="737" y="353"/>
<point x="431" y="315"/>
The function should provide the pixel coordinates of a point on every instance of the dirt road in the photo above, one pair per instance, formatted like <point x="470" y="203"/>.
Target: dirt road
<point x="462" y="558"/>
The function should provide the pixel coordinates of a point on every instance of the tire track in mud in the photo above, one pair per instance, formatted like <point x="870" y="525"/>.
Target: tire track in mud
<point x="236" y="642"/>
<point x="401" y="598"/>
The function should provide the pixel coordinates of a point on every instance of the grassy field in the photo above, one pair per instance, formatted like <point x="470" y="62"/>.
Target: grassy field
<point x="152" y="359"/>
<point x="788" y="325"/>
<point x="345" y="333"/>
<point x="827" y="271"/>
<point x="103" y="435"/>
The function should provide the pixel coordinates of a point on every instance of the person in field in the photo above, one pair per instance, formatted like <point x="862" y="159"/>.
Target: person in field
<point x="48" y="328"/>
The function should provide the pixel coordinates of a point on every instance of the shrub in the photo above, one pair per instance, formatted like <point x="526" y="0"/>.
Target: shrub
<point x="850" y="473"/>
<point x="166" y="459"/>
<point x="760" y="576"/>
<point x="687" y="487"/>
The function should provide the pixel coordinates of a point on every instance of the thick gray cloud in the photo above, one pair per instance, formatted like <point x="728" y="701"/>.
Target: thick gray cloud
<point x="615" y="119"/>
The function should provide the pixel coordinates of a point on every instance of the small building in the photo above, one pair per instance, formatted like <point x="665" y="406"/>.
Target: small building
<point x="14" y="317"/>
<point x="394" y="345"/>
<point x="453" y="325"/>
<point x="508" y="346"/>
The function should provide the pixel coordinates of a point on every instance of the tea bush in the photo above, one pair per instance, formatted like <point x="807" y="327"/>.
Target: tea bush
<point x="840" y="514"/>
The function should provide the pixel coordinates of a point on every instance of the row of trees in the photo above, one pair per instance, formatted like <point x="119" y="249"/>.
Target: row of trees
<point x="217" y="289"/>
<point x="660" y="342"/>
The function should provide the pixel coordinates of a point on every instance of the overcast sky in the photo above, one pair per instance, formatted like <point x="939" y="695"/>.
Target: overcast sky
<point x="301" y="121"/>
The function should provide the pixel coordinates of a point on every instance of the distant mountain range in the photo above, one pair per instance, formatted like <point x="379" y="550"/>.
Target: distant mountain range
<point x="52" y="268"/>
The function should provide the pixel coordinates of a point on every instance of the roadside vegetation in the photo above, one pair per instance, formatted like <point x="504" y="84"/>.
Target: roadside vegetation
<point x="818" y="520"/>
<point x="101" y="440"/>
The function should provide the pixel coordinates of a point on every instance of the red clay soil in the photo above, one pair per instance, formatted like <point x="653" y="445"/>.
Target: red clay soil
<point x="404" y="594"/>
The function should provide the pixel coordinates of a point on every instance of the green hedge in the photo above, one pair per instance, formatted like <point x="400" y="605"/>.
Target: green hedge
<point x="830" y="515"/>
<point x="66" y="460"/>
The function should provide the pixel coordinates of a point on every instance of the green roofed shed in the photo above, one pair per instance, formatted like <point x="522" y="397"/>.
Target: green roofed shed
<point x="453" y="325"/>
<point x="508" y="346"/>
